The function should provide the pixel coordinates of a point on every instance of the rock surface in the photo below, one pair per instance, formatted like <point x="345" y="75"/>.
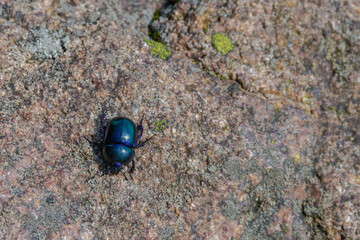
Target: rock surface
<point x="258" y="138"/>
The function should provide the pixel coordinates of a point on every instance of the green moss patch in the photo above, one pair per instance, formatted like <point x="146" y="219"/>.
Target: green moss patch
<point x="222" y="43"/>
<point x="155" y="35"/>
<point x="156" y="15"/>
<point x="158" y="49"/>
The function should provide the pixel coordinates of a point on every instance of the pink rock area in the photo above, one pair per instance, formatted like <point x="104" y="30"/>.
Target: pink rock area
<point x="261" y="143"/>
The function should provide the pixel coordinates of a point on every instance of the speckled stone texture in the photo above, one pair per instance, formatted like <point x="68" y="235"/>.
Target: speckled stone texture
<point x="260" y="143"/>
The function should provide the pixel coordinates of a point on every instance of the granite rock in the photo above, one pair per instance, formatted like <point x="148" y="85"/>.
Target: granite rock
<point x="261" y="142"/>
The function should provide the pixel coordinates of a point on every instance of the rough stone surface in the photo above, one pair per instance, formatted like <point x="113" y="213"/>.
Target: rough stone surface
<point x="260" y="143"/>
<point x="303" y="51"/>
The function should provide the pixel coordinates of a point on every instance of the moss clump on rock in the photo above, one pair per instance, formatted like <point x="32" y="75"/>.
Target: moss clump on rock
<point x="222" y="43"/>
<point x="155" y="35"/>
<point x="156" y="15"/>
<point x="158" y="49"/>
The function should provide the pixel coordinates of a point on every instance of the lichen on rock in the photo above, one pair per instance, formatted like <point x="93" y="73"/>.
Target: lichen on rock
<point x="158" y="49"/>
<point x="222" y="43"/>
<point x="45" y="44"/>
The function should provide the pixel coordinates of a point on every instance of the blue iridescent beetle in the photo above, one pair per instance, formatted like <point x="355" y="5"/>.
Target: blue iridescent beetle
<point x="120" y="139"/>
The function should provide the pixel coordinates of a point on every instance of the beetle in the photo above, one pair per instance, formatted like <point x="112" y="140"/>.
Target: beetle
<point x="121" y="137"/>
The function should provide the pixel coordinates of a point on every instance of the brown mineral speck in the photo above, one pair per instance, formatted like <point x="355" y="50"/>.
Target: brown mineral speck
<point x="299" y="192"/>
<point x="254" y="178"/>
<point x="282" y="222"/>
<point x="316" y="194"/>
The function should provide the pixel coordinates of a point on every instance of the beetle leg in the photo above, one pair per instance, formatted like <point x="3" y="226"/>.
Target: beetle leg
<point x="118" y="166"/>
<point x="140" y="128"/>
<point x="106" y="170"/>
<point x="124" y="175"/>
<point x="142" y="117"/>
<point x="92" y="142"/>
<point x="141" y="144"/>
<point x="132" y="167"/>
<point x="102" y="121"/>
<point x="139" y="136"/>
<point x="98" y="173"/>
